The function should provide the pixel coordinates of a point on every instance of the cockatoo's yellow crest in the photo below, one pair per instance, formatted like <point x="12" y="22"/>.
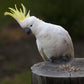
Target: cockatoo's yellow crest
<point x="18" y="14"/>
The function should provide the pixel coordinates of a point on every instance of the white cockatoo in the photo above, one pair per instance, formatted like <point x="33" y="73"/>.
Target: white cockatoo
<point x="53" y="41"/>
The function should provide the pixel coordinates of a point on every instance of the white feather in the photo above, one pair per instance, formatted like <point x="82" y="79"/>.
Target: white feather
<point x="53" y="39"/>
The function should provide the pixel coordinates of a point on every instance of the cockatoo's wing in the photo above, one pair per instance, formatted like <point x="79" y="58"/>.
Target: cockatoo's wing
<point x="40" y="49"/>
<point x="70" y="46"/>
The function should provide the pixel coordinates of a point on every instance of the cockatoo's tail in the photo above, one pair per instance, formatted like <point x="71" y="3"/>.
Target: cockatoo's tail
<point x="18" y="14"/>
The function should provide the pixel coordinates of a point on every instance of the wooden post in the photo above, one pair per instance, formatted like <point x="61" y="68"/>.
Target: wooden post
<point x="49" y="73"/>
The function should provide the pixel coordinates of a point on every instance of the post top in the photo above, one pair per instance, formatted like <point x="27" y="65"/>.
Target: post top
<point x="48" y="69"/>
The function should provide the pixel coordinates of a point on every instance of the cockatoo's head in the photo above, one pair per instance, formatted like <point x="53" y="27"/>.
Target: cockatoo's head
<point x="22" y="17"/>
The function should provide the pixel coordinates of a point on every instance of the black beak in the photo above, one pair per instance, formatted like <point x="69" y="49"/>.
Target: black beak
<point x="27" y="30"/>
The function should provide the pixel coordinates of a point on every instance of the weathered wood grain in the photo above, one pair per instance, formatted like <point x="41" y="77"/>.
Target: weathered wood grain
<point x="53" y="73"/>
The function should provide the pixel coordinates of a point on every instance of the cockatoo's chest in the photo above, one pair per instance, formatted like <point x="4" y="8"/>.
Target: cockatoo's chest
<point x="50" y="39"/>
<point x="50" y="42"/>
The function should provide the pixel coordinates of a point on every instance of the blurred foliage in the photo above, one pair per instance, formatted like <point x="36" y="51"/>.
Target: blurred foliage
<point x="22" y="78"/>
<point x="67" y="13"/>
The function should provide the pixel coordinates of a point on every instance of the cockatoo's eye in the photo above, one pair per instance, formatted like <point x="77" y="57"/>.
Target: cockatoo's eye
<point x="30" y="25"/>
<point x="27" y="30"/>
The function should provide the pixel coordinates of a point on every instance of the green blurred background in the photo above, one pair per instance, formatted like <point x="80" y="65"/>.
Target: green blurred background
<point x="18" y="51"/>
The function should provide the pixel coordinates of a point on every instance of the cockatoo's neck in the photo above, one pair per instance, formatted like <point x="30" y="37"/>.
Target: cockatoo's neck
<point x="37" y="27"/>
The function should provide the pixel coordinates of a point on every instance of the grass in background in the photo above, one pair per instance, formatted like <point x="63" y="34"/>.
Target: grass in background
<point x="22" y="78"/>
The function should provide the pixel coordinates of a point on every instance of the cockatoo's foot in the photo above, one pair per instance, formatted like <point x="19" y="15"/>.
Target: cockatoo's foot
<point x="65" y="58"/>
<point x="56" y="61"/>
<point x="62" y="59"/>
<point x="50" y="60"/>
